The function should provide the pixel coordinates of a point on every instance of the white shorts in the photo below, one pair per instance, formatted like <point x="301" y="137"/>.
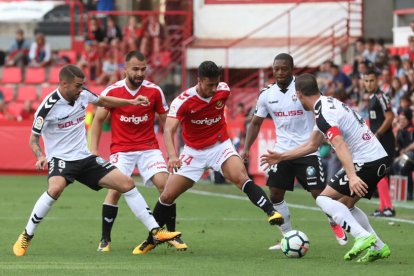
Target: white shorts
<point x="148" y="162"/>
<point x="195" y="162"/>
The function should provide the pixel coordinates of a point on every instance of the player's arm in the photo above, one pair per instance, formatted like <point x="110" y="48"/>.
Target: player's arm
<point x="96" y="129"/>
<point x="38" y="152"/>
<point x="170" y="129"/>
<point x="163" y="118"/>
<point x="251" y="135"/>
<point x="387" y="124"/>
<point x="108" y="101"/>
<point x="315" y="140"/>
<point x="356" y="184"/>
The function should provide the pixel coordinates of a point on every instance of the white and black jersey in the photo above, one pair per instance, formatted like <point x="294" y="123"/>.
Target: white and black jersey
<point x="293" y="123"/>
<point x="62" y="125"/>
<point x="333" y="118"/>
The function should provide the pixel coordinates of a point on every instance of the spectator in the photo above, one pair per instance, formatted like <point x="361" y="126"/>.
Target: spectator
<point x="369" y="53"/>
<point x="396" y="93"/>
<point x="405" y="143"/>
<point x="27" y="112"/>
<point x="385" y="81"/>
<point x="410" y="54"/>
<point x="19" y="50"/>
<point x="4" y="113"/>
<point x="397" y="63"/>
<point x="104" y="6"/>
<point x="40" y="54"/>
<point x="382" y="56"/>
<point x="90" y="60"/>
<point x="112" y="30"/>
<point x="109" y="70"/>
<point x="132" y="30"/>
<point x="151" y="40"/>
<point x="339" y="77"/>
<point x="95" y="32"/>
<point x="405" y="82"/>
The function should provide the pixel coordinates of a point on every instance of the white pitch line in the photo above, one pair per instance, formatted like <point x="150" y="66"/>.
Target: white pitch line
<point x="297" y="206"/>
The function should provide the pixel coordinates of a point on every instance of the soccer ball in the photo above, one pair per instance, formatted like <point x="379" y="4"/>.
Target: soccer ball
<point x="295" y="244"/>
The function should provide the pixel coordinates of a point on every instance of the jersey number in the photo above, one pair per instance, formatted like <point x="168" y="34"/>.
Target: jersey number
<point x="186" y="159"/>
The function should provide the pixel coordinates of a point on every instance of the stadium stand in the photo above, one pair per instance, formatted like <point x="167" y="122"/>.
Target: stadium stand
<point x="8" y="92"/>
<point x="26" y="92"/>
<point x="35" y="75"/>
<point x="12" y="75"/>
<point x="54" y="74"/>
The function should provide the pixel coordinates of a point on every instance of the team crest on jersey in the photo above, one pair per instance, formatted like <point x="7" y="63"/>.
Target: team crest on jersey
<point x="100" y="160"/>
<point x="294" y="98"/>
<point x="219" y="104"/>
<point x="310" y="172"/>
<point x="38" y="123"/>
<point x="372" y="114"/>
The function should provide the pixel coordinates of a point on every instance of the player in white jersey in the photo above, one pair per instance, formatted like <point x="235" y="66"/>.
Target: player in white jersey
<point x="293" y="126"/>
<point x="364" y="162"/>
<point x="200" y="111"/>
<point x="133" y="142"/>
<point x="60" y="120"/>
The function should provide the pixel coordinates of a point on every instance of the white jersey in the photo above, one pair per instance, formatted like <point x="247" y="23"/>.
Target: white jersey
<point x="293" y="124"/>
<point x="62" y="125"/>
<point x="333" y="118"/>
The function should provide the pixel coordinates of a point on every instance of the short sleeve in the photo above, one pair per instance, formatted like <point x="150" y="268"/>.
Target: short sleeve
<point x="261" y="110"/>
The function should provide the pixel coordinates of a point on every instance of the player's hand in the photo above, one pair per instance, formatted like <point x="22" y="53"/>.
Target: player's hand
<point x="41" y="163"/>
<point x="174" y="163"/>
<point x="140" y="100"/>
<point x="357" y="186"/>
<point x="270" y="158"/>
<point x="245" y="155"/>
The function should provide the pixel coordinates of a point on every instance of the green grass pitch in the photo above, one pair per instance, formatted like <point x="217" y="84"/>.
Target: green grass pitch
<point x="226" y="235"/>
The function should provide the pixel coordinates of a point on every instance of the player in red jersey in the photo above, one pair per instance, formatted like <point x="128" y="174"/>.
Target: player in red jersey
<point x="200" y="111"/>
<point x="133" y="142"/>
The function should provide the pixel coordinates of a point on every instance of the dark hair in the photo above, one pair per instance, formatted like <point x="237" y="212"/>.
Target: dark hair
<point x="134" y="54"/>
<point x="371" y="72"/>
<point x="209" y="69"/>
<point x="287" y="57"/>
<point x="69" y="72"/>
<point x="307" y="85"/>
<point x="408" y="113"/>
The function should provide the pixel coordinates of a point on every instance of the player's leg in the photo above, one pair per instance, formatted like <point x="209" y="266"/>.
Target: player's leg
<point x="125" y="162"/>
<point x="60" y="174"/>
<point x="340" y="213"/>
<point x="159" y="180"/>
<point x="164" y="208"/>
<point x="310" y="172"/>
<point x="234" y="170"/>
<point x="98" y="174"/>
<point x="109" y="214"/>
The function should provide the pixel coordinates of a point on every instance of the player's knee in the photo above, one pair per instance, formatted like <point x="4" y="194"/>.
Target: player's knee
<point x="167" y="198"/>
<point x="125" y="184"/>
<point x="276" y="196"/>
<point x="55" y="192"/>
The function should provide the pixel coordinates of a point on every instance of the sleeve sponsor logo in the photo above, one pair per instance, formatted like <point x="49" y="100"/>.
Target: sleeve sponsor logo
<point x="39" y="123"/>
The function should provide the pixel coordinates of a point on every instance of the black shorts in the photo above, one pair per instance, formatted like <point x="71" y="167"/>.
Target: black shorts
<point x="87" y="171"/>
<point x="371" y="173"/>
<point x="308" y="170"/>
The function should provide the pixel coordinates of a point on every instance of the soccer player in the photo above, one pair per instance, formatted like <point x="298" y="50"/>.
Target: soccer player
<point x="200" y="111"/>
<point x="362" y="156"/>
<point x="133" y="141"/>
<point x="60" y="120"/>
<point x="380" y="122"/>
<point x="293" y="127"/>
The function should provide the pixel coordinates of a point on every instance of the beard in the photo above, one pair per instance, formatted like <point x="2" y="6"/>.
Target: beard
<point x="135" y="82"/>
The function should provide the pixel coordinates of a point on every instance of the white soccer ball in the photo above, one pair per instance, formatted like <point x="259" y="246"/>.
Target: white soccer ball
<point x="295" y="244"/>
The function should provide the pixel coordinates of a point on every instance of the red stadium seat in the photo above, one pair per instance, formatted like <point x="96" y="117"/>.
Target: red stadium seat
<point x="12" y="75"/>
<point x="26" y="92"/>
<point x="35" y="75"/>
<point x="46" y="90"/>
<point x="8" y="92"/>
<point x="15" y="108"/>
<point x="54" y="74"/>
<point x="71" y="55"/>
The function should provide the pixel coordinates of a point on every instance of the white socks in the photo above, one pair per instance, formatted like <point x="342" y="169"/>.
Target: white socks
<point x="341" y="215"/>
<point x="40" y="210"/>
<point x="140" y="208"/>
<point x="283" y="209"/>
<point x="362" y="219"/>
